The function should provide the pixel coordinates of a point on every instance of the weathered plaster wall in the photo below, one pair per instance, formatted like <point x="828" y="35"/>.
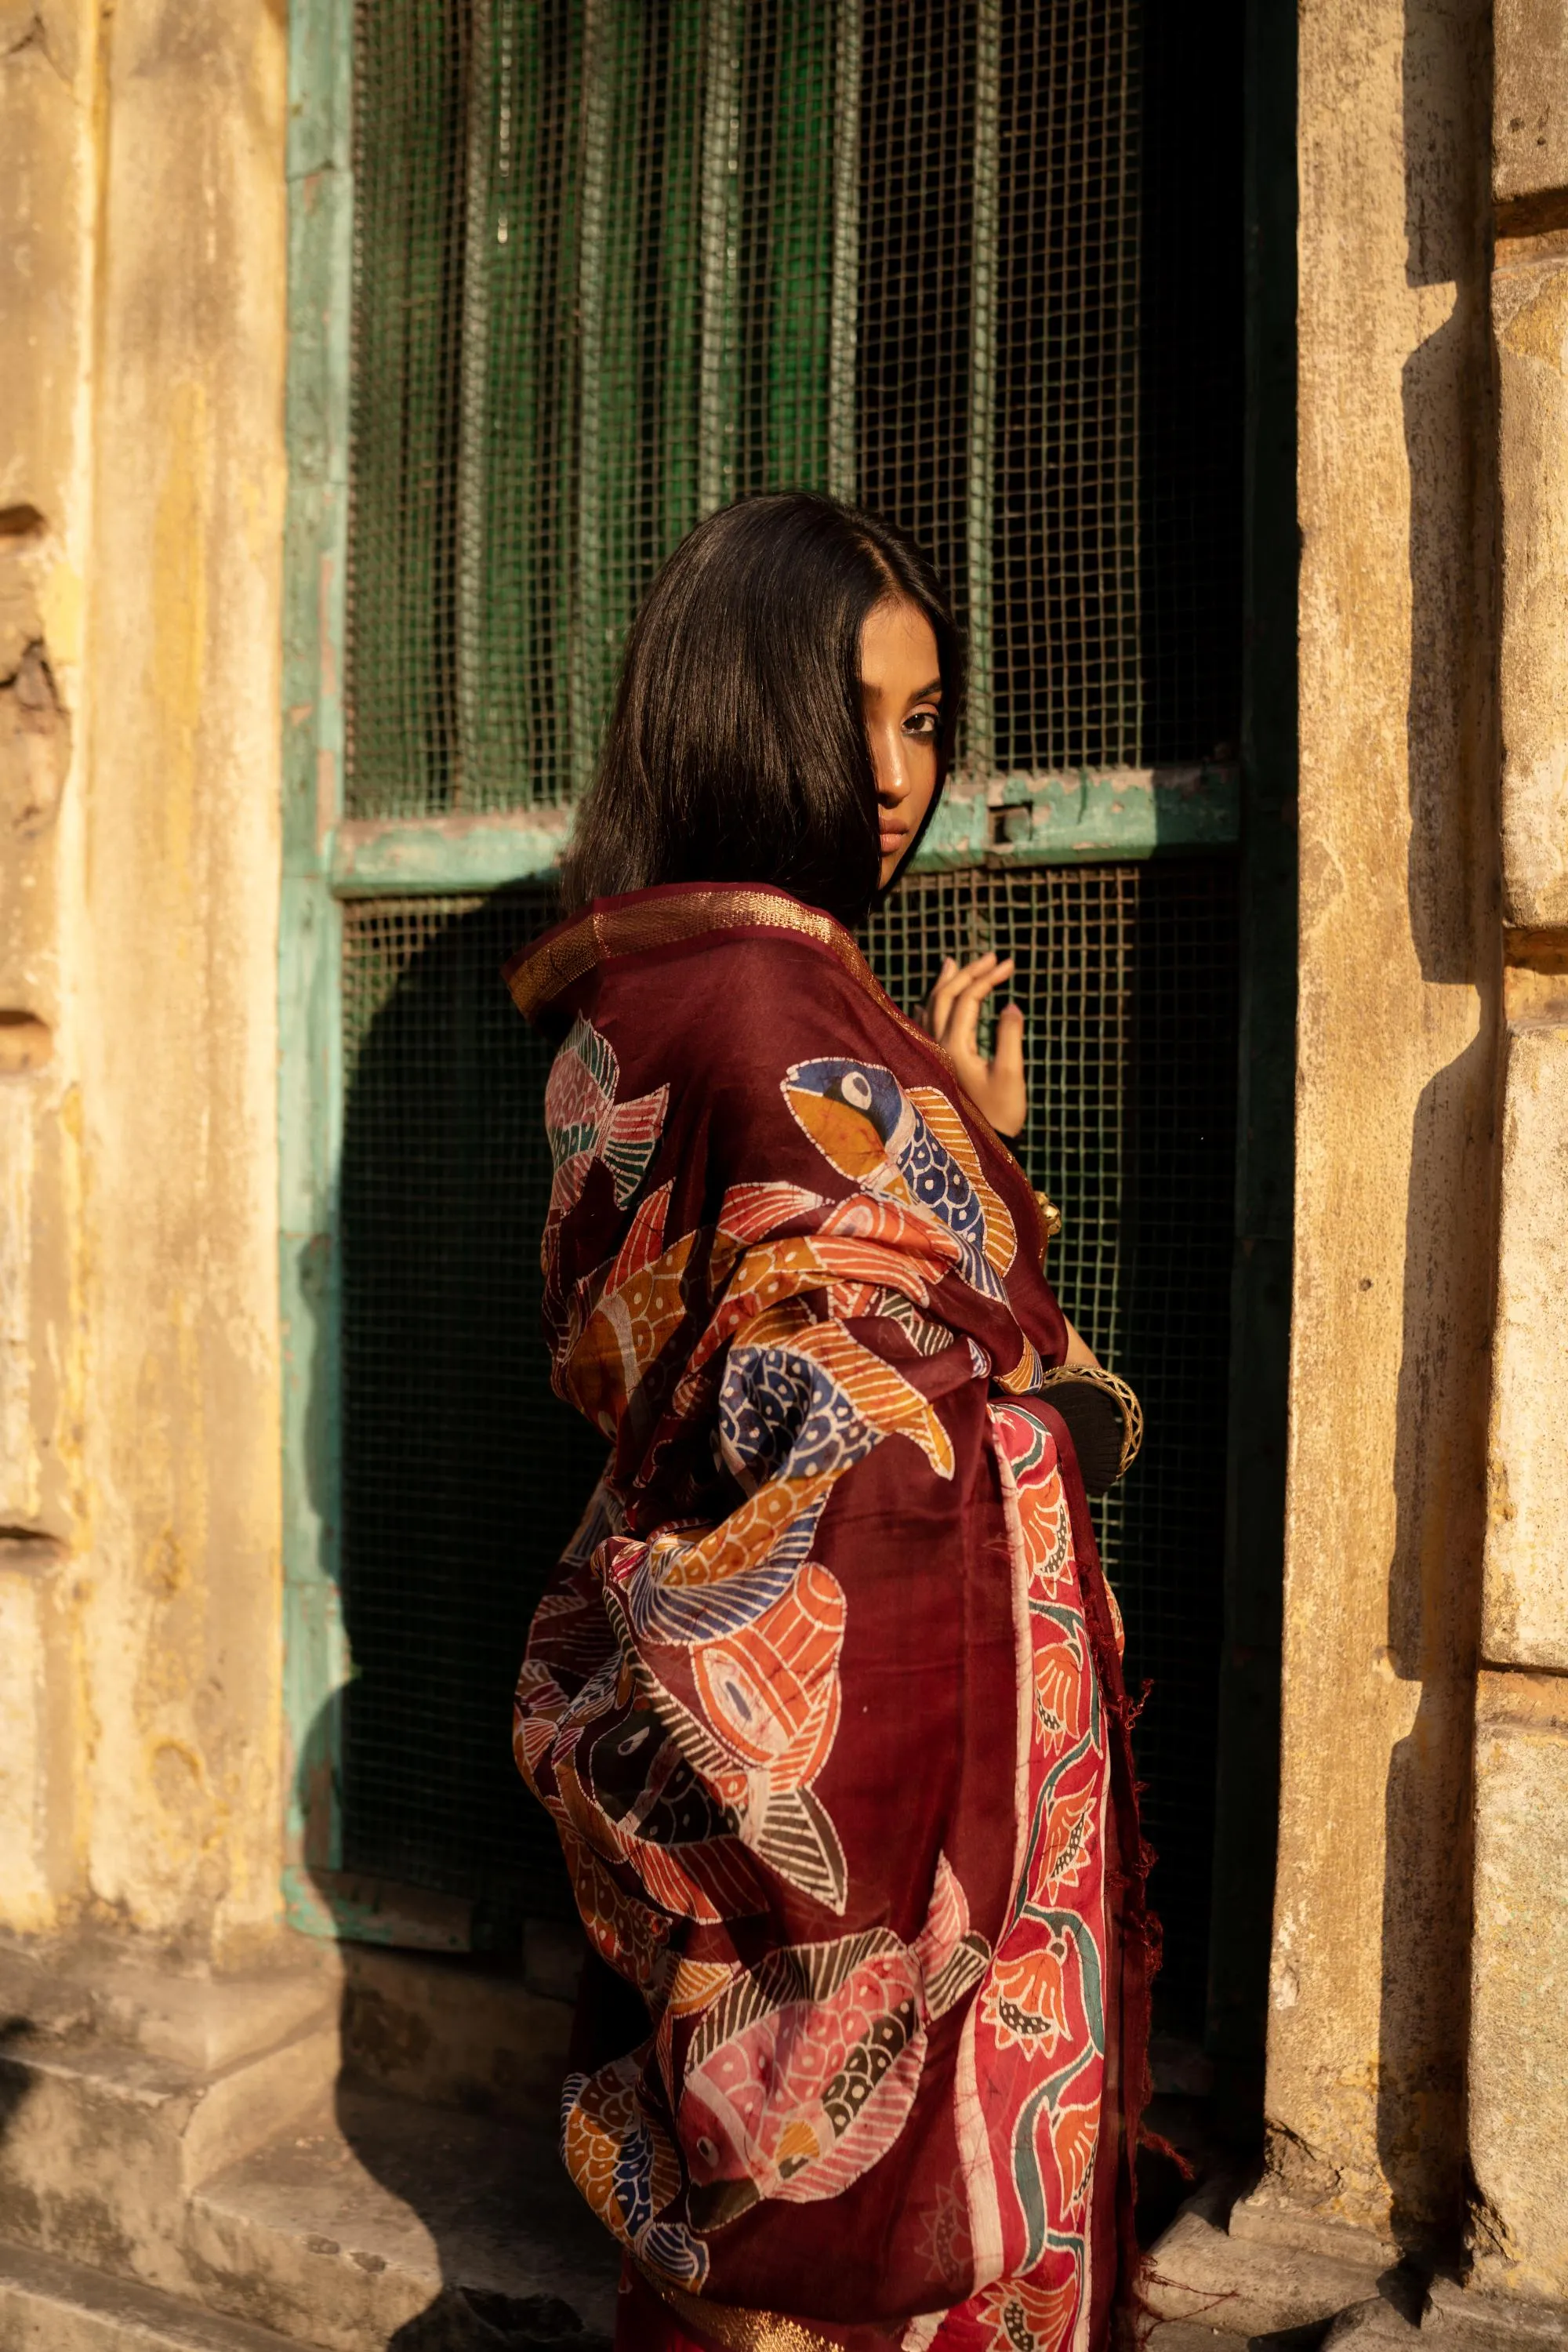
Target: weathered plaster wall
<point x="47" y="202"/>
<point x="1519" y="2081"/>
<point x="143" y="282"/>
<point x="179" y="957"/>
<point x="1399" y="978"/>
<point x="1530" y="111"/>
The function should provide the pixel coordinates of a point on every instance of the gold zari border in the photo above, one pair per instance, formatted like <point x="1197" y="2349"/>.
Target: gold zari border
<point x="747" y="2331"/>
<point x="565" y="955"/>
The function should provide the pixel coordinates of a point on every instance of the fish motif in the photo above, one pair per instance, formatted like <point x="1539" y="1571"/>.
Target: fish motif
<point x="585" y="1122"/>
<point x="802" y="2073"/>
<point x="863" y="1124"/>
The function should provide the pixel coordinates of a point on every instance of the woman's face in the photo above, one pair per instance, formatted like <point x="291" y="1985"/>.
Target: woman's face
<point x="901" y="688"/>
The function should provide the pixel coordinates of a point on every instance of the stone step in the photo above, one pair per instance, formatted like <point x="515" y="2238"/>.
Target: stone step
<point x="101" y="2142"/>
<point x="382" y="2217"/>
<point x="50" y="2305"/>
<point x="192" y="2017"/>
<point x="457" y="2034"/>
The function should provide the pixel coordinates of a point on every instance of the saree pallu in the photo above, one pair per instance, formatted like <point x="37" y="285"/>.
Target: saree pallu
<point x="825" y="1699"/>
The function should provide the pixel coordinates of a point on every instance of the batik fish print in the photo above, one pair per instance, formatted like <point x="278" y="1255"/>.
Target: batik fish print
<point x="867" y="1126"/>
<point x="583" y="1121"/>
<point x="803" y="2073"/>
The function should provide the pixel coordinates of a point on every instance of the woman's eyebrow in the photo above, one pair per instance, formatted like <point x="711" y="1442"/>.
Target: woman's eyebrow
<point x="925" y="693"/>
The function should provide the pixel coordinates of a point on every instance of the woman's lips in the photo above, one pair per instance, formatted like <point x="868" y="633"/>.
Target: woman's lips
<point x="892" y="838"/>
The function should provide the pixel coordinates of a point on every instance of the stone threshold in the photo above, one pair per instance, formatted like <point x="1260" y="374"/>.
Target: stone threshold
<point x="1234" y="2268"/>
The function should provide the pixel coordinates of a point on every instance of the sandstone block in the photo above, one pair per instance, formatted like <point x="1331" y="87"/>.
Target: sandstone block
<point x="1530" y="97"/>
<point x="1518" y="2028"/>
<point x="379" y="2216"/>
<point x="1530" y="315"/>
<point x="1525" y="1595"/>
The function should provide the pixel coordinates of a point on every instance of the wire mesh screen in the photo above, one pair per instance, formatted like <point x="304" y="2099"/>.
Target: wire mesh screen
<point x="602" y="250"/>
<point x="619" y="261"/>
<point x="464" y="1475"/>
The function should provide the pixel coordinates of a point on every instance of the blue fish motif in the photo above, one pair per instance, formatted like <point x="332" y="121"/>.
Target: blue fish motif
<point x="861" y="1120"/>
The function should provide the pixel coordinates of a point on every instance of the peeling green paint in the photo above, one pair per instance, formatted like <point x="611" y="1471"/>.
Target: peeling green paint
<point x="1072" y="820"/>
<point x="309" y="929"/>
<point x="450" y="855"/>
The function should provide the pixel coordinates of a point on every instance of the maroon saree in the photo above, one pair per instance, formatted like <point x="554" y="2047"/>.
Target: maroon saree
<point x="825" y="1700"/>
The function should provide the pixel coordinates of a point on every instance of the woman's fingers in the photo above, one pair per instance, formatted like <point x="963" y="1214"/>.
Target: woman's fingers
<point x="1008" y="1059"/>
<point x="949" y="980"/>
<point x="956" y="982"/>
<point x="997" y="1088"/>
<point x="965" y="1014"/>
<point x="1009" y="1091"/>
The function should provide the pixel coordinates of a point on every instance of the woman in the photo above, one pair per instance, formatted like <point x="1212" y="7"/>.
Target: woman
<point x="826" y="1701"/>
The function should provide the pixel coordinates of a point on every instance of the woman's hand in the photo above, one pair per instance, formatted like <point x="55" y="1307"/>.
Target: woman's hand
<point x="949" y="1014"/>
<point x="1079" y="1352"/>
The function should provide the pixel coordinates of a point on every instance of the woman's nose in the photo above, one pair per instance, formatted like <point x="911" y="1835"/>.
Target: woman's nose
<point x="892" y="777"/>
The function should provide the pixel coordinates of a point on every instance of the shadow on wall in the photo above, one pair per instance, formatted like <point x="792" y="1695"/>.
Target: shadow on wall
<point x="462" y="1478"/>
<point x="515" y="2250"/>
<point x="463" y="1475"/>
<point x="14" y="2083"/>
<point x="1434" y="1603"/>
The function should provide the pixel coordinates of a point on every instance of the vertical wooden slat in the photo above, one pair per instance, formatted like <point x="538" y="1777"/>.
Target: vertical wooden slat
<point x="512" y="755"/>
<point x="800" y="289"/>
<point x="606" y="331"/>
<point x="843" y="468"/>
<point x="473" y="521"/>
<point x="680" y="271"/>
<point x="587" y="621"/>
<point x="980" y="519"/>
<point x="1125" y="508"/>
<point x="720" y="233"/>
<point x="407" y="288"/>
<point x="620" y="347"/>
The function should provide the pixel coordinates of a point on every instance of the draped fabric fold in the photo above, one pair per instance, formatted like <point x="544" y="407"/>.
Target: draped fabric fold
<point x="825" y="1700"/>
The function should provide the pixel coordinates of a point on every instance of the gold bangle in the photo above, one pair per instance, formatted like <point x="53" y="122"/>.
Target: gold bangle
<point x="1091" y="1376"/>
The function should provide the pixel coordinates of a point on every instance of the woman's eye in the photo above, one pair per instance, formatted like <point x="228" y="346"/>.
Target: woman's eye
<point x="922" y="723"/>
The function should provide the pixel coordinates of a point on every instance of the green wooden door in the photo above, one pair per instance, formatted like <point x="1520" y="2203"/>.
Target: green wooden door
<point x="565" y="278"/>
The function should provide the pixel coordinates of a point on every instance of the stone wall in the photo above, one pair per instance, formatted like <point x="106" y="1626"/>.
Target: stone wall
<point x="1394" y="1217"/>
<point x="141" y="286"/>
<point x="1519" y="2056"/>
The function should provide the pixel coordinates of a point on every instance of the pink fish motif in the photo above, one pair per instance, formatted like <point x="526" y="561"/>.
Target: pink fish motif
<point x="585" y="1122"/>
<point x="803" y="2072"/>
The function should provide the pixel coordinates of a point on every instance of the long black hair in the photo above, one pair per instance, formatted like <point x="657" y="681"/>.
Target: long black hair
<point x="737" y="748"/>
